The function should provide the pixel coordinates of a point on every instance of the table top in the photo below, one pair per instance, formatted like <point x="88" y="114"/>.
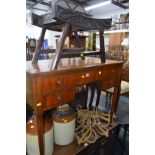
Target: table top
<point x="65" y="64"/>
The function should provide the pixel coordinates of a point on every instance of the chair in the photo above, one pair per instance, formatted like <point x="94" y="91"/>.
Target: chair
<point x="123" y="122"/>
<point x="125" y="79"/>
<point x="123" y="91"/>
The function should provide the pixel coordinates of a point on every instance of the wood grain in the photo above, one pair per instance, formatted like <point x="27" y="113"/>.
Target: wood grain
<point x="48" y="88"/>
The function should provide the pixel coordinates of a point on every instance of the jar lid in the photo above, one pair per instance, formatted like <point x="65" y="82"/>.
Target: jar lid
<point x="63" y="107"/>
<point x="64" y="113"/>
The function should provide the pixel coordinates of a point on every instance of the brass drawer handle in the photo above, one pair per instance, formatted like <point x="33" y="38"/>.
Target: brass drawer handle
<point x="82" y="76"/>
<point x="39" y="104"/>
<point x="100" y="72"/>
<point x="59" y="82"/>
<point x="59" y="98"/>
<point x="87" y="74"/>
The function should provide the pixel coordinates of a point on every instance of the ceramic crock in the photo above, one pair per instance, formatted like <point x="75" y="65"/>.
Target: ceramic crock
<point x="64" y="125"/>
<point x="32" y="145"/>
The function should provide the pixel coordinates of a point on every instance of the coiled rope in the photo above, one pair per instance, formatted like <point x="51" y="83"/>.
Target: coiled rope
<point x="91" y="124"/>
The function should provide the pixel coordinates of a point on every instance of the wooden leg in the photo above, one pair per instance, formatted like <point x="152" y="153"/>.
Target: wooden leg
<point x="106" y="99"/>
<point x="38" y="46"/>
<point x="85" y="96"/>
<point x="102" y="49"/>
<point x="78" y="42"/>
<point x="110" y="97"/>
<point x="114" y="102"/>
<point x="40" y="127"/>
<point x="117" y="99"/>
<point x="59" y="49"/>
<point x="92" y="96"/>
<point x="98" y="98"/>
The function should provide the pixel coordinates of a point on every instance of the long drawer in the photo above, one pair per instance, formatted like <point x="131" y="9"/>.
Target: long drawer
<point x="108" y="71"/>
<point x="57" y="82"/>
<point x="84" y="77"/>
<point x="55" y="98"/>
<point x="109" y="83"/>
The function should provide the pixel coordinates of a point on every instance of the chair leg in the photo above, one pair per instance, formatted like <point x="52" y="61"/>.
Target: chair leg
<point x="110" y="97"/>
<point x="92" y="96"/>
<point x="85" y="96"/>
<point x="106" y="100"/>
<point x="98" y="98"/>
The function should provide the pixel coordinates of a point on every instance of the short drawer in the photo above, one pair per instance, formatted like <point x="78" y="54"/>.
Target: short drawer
<point x="109" y="83"/>
<point x="54" y="98"/>
<point x="84" y="77"/>
<point x="52" y="83"/>
<point x="108" y="71"/>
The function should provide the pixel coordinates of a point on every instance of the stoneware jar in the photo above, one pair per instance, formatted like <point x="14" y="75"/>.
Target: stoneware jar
<point x="64" y="125"/>
<point x="32" y="138"/>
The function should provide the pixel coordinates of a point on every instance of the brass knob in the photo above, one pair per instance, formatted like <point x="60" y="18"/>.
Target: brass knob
<point x="87" y="74"/>
<point x="100" y="72"/>
<point x="82" y="76"/>
<point x="59" y="82"/>
<point x="39" y="104"/>
<point x="59" y="98"/>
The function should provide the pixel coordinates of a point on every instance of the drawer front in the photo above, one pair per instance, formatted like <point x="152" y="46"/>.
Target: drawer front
<point x="109" y="83"/>
<point x="52" y="83"/>
<point x="54" y="98"/>
<point x="108" y="71"/>
<point x="84" y="77"/>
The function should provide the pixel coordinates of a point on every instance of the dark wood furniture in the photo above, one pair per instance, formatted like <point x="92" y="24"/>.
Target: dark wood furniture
<point x="124" y="85"/>
<point x="124" y="88"/>
<point x="68" y="19"/>
<point x="70" y="53"/>
<point x="52" y="82"/>
<point x="48" y="88"/>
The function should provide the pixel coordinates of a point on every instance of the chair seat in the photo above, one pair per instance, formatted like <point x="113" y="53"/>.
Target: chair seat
<point x="124" y="88"/>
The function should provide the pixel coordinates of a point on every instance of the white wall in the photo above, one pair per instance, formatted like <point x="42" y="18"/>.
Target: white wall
<point x="34" y="32"/>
